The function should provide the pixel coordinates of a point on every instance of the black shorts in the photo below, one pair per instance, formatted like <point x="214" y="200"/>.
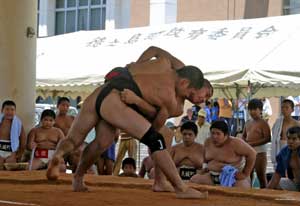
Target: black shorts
<point x="119" y="78"/>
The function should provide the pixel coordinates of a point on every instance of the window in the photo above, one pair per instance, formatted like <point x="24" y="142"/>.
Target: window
<point x="76" y="15"/>
<point x="291" y="7"/>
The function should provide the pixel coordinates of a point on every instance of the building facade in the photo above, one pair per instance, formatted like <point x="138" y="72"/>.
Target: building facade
<point x="63" y="16"/>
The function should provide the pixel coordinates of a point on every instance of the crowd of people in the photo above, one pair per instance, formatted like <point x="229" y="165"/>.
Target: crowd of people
<point x="200" y="150"/>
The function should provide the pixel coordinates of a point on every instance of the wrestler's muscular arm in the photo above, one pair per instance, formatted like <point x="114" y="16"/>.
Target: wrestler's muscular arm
<point x="129" y="97"/>
<point x="158" y="53"/>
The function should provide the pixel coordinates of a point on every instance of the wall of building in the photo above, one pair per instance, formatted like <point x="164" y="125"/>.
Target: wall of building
<point x="208" y="10"/>
<point x="140" y="13"/>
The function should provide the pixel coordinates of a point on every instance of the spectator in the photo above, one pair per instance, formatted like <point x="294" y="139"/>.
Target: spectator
<point x="203" y="127"/>
<point x="288" y="163"/>
<point x="129" y="168"/>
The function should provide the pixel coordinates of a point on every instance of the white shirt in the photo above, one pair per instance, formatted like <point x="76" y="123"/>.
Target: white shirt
<point x="267" y="109"/>
<point x="203" y="133"/>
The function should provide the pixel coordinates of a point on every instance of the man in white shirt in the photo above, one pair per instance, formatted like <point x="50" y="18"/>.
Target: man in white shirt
<point x="203" y="127"/>
<point x="267" y="109"/>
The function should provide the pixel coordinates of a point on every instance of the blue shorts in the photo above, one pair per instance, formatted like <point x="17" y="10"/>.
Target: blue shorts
<point x="109" y="153"/>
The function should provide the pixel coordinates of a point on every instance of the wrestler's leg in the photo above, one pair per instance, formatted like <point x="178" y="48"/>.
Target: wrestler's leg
<point x="2" y="163"/>
<point x="114" y="111"/>
<point x="203" y="179"/>
<point x="37" y="164"/>
<point x="245" y="183"/>
<point x="260" y="168"/>
<point x="100" y="166"/>
<point x="105" y="134"/>
<point x="160" y="181"/>
<point x="83" y="123"/>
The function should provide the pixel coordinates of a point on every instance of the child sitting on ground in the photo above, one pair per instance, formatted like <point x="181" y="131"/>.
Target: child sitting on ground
<point x="128" y="167"/>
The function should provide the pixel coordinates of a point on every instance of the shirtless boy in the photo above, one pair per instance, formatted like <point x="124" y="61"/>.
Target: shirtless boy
<point x="188" y="156"/>
<point x="12" y="135"/>
<point x="279" y="129"/>
<point x="104" y="107"/>
<point x="288" y="162"/>
<point x="221" y="150"/>
<point x="64" y="122"/>
<point x="257" y="134"/>
<point x="43" y="140"/>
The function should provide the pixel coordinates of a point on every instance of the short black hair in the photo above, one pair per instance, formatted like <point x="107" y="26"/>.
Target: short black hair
<point x="128" y="161"/>
<point x="48" y="113"/>
<point x="255" y="104"/>
<point x="192" y="73"/>
<point x="290" y="102"/>
<point x="221" y="125"/>
<point x="293" y="130"/>
<point x="62" y="99"/>
<point x="189" y="126"/>
<point x="8" y="103"/>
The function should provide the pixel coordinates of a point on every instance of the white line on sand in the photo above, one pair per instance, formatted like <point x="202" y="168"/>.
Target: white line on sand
<point x="16" y="203"/>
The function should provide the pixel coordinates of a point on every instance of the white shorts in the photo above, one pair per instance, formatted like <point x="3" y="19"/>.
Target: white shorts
<point x="44" y="159"/>
<point x="4" y="154"/>
<point x="261" y="148"/>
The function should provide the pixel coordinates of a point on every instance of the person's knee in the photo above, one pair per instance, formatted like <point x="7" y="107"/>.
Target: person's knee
<point x="154" y="140"/>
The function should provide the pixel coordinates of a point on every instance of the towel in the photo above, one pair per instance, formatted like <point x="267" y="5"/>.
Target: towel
<point x="15" y="132"/>
<point x="227" y="176"/>
<point x="276" y="146"/>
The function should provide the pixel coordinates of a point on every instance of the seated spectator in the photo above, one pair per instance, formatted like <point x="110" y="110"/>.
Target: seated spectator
<point x="129" y="168"/>
<point x="222" y="151"/>
<point x="188" y="156"/>
<point x="147" y="167"/>
<point x="288" y="162"/>
<point x="42" y="141"/>
<point x="12" y="135"/>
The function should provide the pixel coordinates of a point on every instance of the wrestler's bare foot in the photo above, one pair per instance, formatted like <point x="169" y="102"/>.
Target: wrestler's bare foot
<point x="162" y="186"/>
<point x="78" y="185"/>
<point x="53" y="169"/>
<point x="191" y="193"/>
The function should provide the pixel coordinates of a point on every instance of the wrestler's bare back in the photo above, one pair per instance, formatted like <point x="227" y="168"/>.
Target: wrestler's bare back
<point x="162" y="93"/>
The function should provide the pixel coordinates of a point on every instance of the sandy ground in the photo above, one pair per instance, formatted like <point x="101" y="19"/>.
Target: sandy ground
<point x="32" y="188"/>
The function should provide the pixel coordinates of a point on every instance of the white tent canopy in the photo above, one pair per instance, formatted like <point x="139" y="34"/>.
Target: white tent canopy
<point x="230" y="53"/>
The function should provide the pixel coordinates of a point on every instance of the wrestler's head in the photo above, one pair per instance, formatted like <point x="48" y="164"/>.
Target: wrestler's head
<point x="255" y="108"/>
<point x="293" y="136"/>
<point x="128" y="166"/>
<point x="189" y="132"/>
<point x="8" y="109"/>
<point x="219" y="133"/>
<point x="63" y="105"/>
<point x="192" y="85"/>
<point x="47" y="118"/>
<point x="201" y="95"/>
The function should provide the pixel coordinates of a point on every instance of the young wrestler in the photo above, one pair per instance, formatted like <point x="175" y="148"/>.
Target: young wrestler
<point x="128" y="167"/>
<point x="279" y="129"/>
<point x="288" y="162"/>
<point x="64" y="121"/>
<point x="188" y="156"/>
<point x="257" y="134"/>
<point x="221" y="150"/>
<point x="12" y="135"/>
<point x="43" y="140"/>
